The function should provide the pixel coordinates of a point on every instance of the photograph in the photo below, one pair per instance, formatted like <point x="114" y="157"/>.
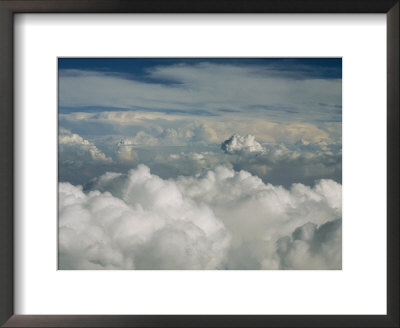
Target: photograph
<point x="199" y="163"/>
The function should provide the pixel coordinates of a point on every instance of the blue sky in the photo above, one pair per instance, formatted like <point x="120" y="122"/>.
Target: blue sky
<point x="136" y="67"/>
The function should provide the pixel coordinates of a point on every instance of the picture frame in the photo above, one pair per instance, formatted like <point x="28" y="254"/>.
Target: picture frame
<point x="10" y="7"/>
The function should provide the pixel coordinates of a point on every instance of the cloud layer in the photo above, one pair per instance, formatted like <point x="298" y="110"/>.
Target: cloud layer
<point x="222" y="219"/>
<point x="194" y="148"/>
<point x="207" y="89"/>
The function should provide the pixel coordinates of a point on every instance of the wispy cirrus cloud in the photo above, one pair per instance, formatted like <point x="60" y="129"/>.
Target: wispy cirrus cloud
<point x="206" y="88"/>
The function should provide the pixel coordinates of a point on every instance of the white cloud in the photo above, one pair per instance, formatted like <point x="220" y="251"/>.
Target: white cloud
<point x="221" y="219"/>
<point x="72" y="147"/>
<point x="185" y="129"/>
<point x="206" y="88"/>
<point x="192" y="147"/>
<point x="239" y="144"/>
<point x="125" y="153"/>
<point x="312" y="247"/>
<point x="151" y="225"/>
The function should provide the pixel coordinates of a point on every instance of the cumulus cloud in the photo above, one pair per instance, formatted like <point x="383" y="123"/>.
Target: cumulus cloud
<point x="202" y="129"/>
<point x="148" y="224"/>
<point x="125" y="152"/>
<point x="194" y="147"/>
<point x="73" y="147"/>
<point x="221" y="219"/>
<point x="239" y="144"/>
<point x="304" y="161"/>
<point x="312" y="247"/>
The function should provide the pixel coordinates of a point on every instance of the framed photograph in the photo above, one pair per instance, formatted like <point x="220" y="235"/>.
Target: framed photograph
<point x="199" y="164"/>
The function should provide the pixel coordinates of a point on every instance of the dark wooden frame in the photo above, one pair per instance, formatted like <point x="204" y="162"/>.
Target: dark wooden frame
<point x="7" y="10"/>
